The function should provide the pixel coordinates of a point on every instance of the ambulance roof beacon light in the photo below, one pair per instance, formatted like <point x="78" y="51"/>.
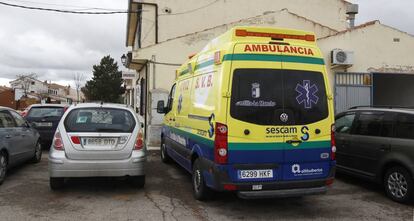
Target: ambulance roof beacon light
<point x="279" y="36"/>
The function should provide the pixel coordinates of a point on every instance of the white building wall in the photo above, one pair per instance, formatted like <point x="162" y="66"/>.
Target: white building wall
<point x="189" y="16"/>
<point x="374" y="50"/>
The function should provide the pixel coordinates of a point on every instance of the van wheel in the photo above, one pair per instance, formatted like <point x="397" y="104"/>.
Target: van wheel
<point x="3" y="166"/>
<point x="56" y="183"/>
<point x="200" y="189"/>
<point x="164" y="155"/>
<point x="38" y="153"/>
<point x="399" y="185"/>
<point x="138" y="181"/>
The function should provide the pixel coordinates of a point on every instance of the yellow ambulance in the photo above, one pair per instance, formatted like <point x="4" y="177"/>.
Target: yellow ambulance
<point x="253" y="113"/>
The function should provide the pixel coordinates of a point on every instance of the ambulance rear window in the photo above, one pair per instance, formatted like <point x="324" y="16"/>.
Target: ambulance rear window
<point x="261" y="96"/>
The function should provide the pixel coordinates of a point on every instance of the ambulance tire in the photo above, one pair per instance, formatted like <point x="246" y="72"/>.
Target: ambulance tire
<point x="200" y="190"/>
<point x="165" y="158"/>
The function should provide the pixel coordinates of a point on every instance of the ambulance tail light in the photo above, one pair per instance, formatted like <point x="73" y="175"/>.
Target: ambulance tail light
<point x="220" y="144"/>
<point x="245" y="33"/>
<point x="333" y="143"/>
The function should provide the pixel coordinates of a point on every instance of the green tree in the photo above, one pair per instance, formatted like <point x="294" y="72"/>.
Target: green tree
<point x="106" y="83"/>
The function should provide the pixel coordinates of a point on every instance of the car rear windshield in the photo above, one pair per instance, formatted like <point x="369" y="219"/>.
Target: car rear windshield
<point x="41" y="112"/>
<point x="100" y="120"/>
<point x="261" y="96"/>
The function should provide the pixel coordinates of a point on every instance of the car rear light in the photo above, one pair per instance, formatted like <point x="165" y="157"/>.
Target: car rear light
<point x="23" y="114"/>
<point x="57" y="141"/>
<point x="65" y="109"/>
<point x="333" y="143"/>
<point x="75" y="139"/>
<point x="139" y="143"/>
<point x="220" y="144"/>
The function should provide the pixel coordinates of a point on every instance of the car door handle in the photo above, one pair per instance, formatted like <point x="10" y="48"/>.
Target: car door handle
<point x="293" y="141"/>
<point x="385" y="148"/>
<point x="8" y="136"/>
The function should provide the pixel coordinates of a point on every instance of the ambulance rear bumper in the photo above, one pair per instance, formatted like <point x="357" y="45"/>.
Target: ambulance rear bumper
<point x="282" y="193"/>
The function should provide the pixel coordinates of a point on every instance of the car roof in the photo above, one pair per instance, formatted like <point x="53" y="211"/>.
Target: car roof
<point x="49" y="105"/>
<point x="408" y="110"/>
<point x="6" y="108"/>
<point x="106" y="105"/>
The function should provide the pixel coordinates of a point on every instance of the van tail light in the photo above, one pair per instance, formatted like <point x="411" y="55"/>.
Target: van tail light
<point x="139" y="143"/>
<point x="57" y="141"/>
<point x="220" y="144"/>
<point x="75" y="139"/>
<point x="333" y="143"/>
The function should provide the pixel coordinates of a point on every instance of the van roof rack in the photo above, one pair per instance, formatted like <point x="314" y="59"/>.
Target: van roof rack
<point x="381" y="106"/>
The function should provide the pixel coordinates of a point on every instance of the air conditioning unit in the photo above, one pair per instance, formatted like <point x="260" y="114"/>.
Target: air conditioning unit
<point x="340" y="57"/>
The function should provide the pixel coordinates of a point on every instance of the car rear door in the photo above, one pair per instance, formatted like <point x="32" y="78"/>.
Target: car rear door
<point x="371" y="140"/>
<point x="99" y="133"/>
<point x="308" y="110"/>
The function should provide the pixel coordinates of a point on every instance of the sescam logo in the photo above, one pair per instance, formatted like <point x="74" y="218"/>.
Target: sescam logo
<point x="297" y="171"/>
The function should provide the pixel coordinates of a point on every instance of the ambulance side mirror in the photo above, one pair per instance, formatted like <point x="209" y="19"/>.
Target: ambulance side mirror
<point x="161" y="109"/>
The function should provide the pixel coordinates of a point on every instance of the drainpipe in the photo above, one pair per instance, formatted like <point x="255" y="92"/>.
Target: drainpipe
<point x="156" y="18"/>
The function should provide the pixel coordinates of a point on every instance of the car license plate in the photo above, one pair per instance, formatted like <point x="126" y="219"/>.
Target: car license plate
<point x="255" y="174"/>
<point x="100" y="141"/>
<point x="43" y="124"/>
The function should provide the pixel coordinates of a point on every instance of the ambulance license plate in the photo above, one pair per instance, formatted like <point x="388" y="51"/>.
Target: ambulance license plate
<point x="255" y="174"/>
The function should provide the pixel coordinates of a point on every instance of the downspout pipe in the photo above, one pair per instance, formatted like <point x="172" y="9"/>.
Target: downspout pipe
<point x="156" y="18"/>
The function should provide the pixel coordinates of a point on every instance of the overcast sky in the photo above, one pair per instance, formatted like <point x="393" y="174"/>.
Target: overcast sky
<point x="55" y="46"/>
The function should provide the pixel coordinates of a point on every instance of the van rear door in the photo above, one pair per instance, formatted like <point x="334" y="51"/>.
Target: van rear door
<point x="255" y="134"/>
<point x="308" y="147"/>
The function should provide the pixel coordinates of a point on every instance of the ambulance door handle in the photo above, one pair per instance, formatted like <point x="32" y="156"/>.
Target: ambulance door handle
<point x="293" y="141"/>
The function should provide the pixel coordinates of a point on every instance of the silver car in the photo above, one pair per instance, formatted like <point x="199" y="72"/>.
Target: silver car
<point x="95" y="140"/>
<point x="19" y="141"/>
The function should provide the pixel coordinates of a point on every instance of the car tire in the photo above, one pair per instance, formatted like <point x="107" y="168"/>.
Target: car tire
<point x="165" y="158"/>
<point x="3" y="166"/>
<point x="200" y="190"/>
<point x="38" y="153"/>
<point x="398" y="184"/>
<point x="56" y="183"/>
<point x="138" y="181"/>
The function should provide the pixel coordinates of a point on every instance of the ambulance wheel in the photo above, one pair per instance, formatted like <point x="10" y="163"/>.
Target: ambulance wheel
<point x="201" y="191"/>
<point x="164" y="155"/>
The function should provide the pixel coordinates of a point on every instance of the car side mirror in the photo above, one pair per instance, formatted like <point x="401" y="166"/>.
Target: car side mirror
<point x="160" y="107"/>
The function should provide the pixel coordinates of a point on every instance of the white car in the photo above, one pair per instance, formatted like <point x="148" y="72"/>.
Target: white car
<point x="95" y="140"/>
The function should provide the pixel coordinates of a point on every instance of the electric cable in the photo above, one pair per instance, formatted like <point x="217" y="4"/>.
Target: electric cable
<point x="191" y="10"/>
<point x="67" y="11"/>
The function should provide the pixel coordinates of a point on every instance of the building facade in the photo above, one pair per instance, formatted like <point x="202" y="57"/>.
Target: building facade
<point x="162" y="35"/>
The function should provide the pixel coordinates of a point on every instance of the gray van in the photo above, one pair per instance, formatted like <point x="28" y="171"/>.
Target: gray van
<point x="377" y="143"/>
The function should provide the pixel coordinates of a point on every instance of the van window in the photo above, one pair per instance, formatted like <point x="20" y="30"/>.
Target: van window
<point x="170" y="100"/>
<point x="344" y="123"/>
<point x="100" y="120"/>
<point x="369" y="124"/>
<point x="260" y="96"/>
<point x="404" y="126"/>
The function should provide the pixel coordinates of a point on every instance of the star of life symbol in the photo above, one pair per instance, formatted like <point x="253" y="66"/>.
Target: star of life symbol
<point x="307" y="94"/>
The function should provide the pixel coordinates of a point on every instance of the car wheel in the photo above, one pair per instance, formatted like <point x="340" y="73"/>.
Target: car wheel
<point x="398" y="184"/>
<point x="38" y="153"/>
<point x="138" y="181"/>
<point x="56" y="183"/>
<point x="164" y="155"/>
<point x="200" y="189"/>
<point x="3" y="167"/>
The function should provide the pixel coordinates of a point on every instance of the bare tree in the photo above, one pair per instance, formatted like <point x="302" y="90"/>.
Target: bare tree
<point x="78" y="79"/>
<point x="26" y="81"/>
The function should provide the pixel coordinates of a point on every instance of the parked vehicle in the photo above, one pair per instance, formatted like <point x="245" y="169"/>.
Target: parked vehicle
<point x="377" y="144"/>
<point x="94" y="140"/>
<point x="45" y="118"/>
<point x="253" y="113"/>
<point x="19" y="141"/>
